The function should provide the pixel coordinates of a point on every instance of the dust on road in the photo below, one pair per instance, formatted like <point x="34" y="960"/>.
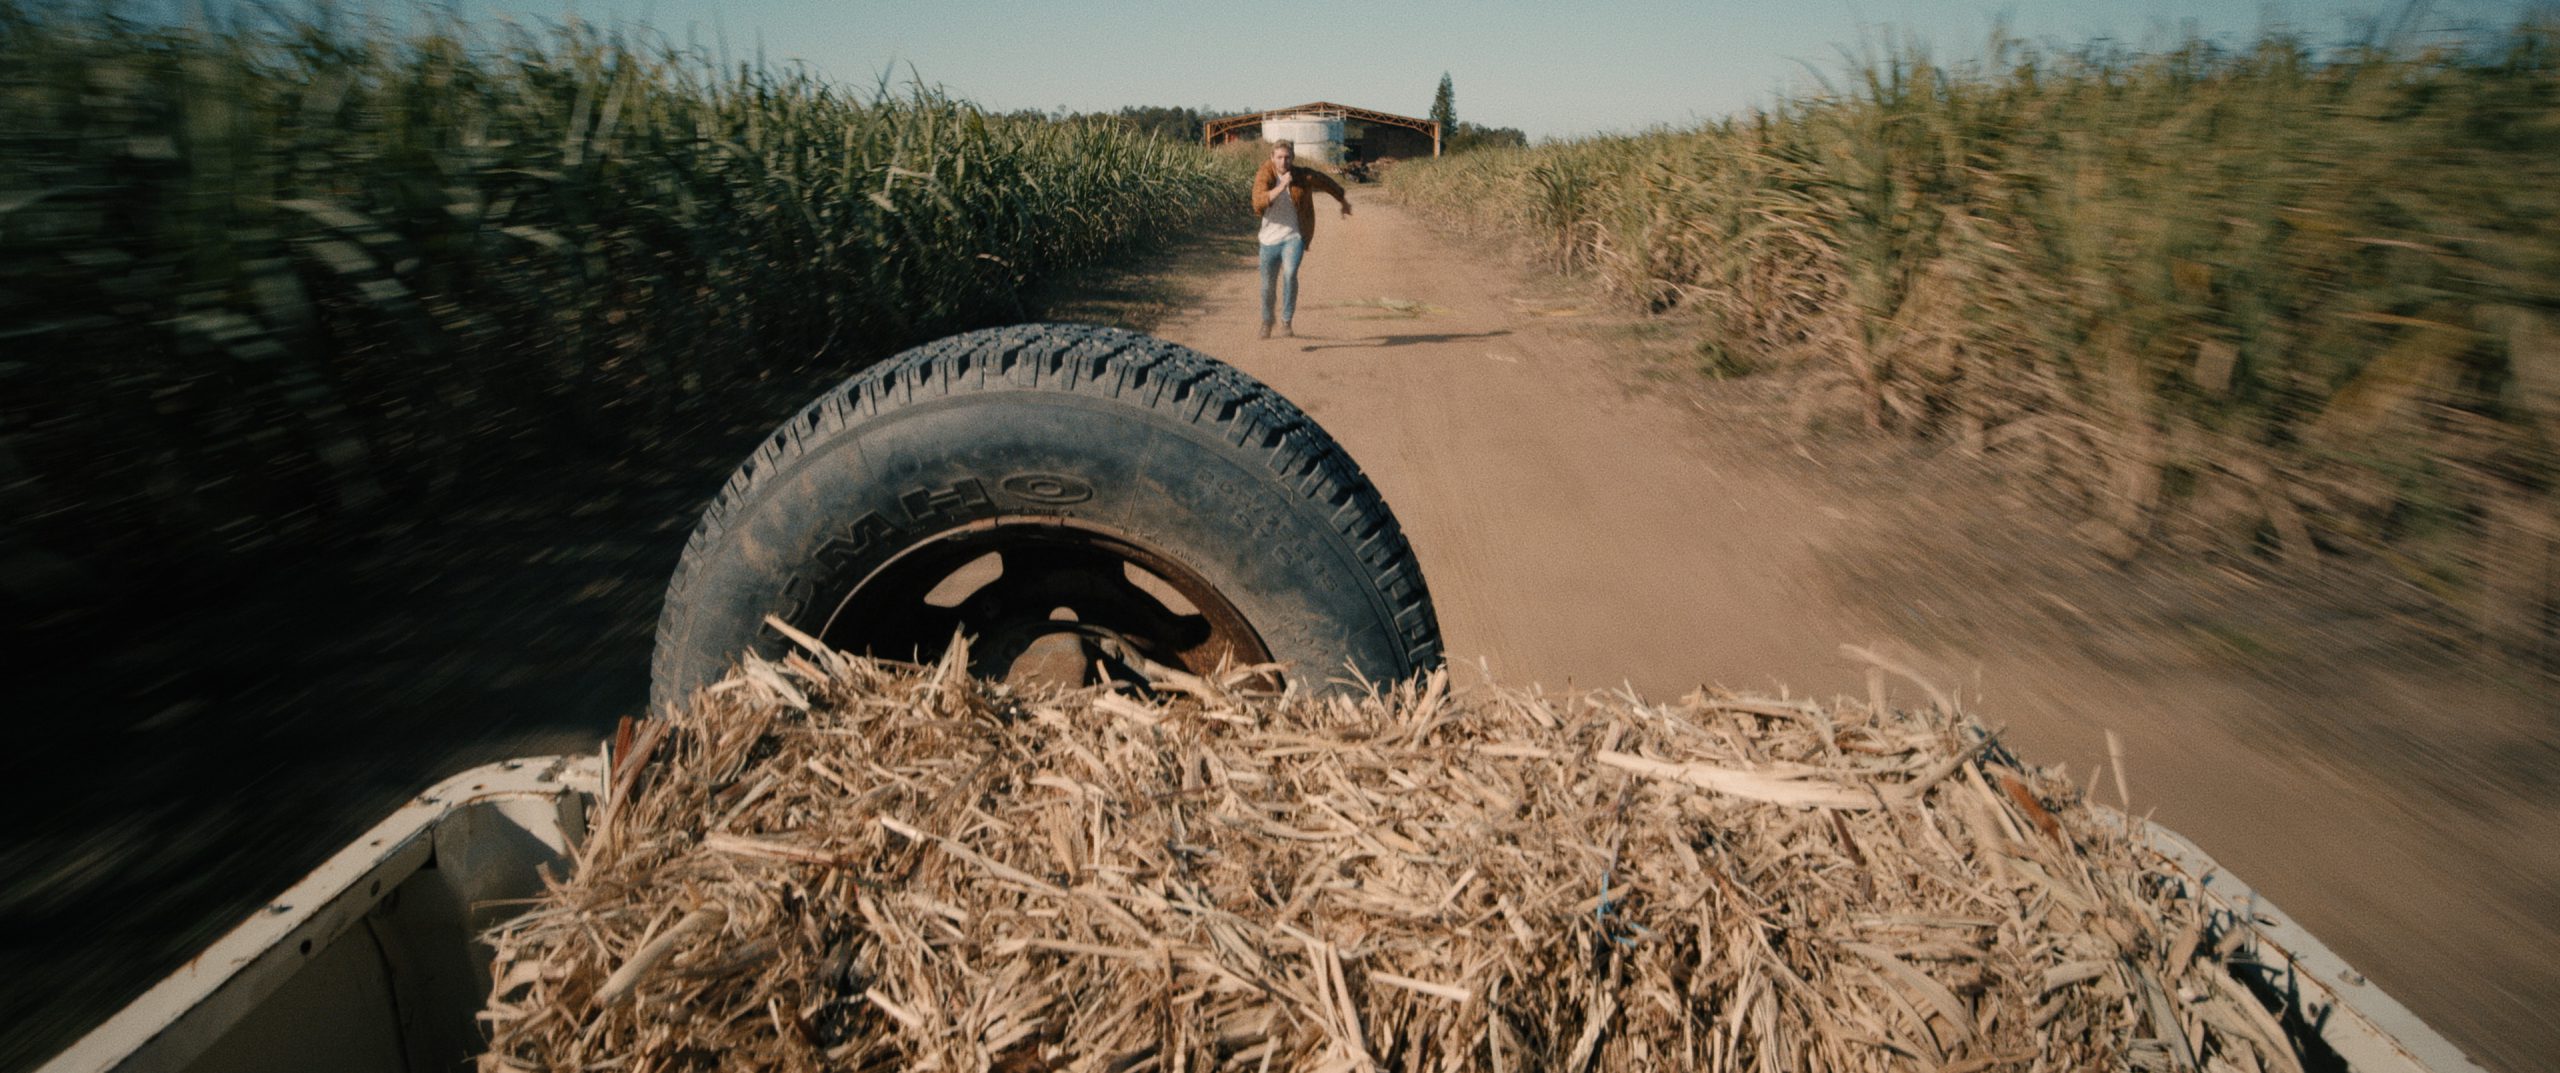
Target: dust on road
<point x="1580" y="526"/>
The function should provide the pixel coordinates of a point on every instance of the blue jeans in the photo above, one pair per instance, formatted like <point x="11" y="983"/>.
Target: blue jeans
<point x="1280" y="259"/>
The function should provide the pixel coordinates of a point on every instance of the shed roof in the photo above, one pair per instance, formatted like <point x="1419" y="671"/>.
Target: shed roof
<point x="1210" y="131"/>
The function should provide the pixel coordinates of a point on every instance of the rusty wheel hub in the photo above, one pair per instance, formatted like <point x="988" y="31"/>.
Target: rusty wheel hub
<point x="1048" y="603"/>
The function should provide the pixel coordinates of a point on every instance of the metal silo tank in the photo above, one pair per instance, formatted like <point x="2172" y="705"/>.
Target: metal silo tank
<point x="1319" y="137"/>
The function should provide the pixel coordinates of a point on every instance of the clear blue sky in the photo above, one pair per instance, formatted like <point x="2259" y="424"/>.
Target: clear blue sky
<point x="1552" y="69"/>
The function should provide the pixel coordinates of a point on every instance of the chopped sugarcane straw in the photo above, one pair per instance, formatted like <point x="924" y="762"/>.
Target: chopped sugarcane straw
<point x="832" y="862"/>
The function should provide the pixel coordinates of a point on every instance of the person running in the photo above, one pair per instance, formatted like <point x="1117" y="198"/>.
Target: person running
<point x="1284" y="195"/>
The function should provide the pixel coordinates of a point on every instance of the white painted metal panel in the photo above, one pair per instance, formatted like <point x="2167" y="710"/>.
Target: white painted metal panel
<point x="369" y="962"/>
<point x="1319" y="138"/>
<point x="2327" y="1002"/>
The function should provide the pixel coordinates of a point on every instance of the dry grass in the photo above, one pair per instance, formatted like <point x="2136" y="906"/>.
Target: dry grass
<point x="2294" y="303"/>
<point x="838" y="863"/>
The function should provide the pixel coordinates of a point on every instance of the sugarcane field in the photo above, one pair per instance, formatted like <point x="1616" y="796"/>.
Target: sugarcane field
<point x="750" y="536"/>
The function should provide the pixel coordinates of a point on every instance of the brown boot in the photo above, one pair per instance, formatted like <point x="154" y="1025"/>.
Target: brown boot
<point x="1287" y="332"/>
<point x="1266" y="329"/>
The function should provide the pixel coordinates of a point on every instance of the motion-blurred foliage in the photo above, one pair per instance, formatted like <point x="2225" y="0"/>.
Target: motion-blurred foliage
<point x="2254" y="299"/>
<point x="260" y="286"/>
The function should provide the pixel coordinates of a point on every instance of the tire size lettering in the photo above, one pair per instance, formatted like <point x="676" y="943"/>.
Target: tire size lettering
<point x="843" y="551"/>
<point x="1046" y="489"/>
<point x="929" y="504"/>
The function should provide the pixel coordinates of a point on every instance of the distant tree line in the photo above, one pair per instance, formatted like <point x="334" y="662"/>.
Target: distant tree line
<point x="1169" y="123"/>
<point x="1172" y="123"/>
<point x="1470" y="136"/>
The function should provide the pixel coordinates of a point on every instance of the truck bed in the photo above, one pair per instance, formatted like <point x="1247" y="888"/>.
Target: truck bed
<point x="372" y="962"/>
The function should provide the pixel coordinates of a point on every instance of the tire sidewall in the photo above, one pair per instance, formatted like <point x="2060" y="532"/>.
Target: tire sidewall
<point x="884" y="485"/>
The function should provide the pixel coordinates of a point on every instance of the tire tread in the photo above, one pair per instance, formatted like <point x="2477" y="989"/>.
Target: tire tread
<point x="1113" y="363"/>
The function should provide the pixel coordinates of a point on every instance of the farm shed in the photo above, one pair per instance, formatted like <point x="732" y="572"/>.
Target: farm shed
<point x="1329" y="133"/>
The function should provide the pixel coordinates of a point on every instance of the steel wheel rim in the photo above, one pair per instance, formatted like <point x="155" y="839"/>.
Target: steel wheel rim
<point x="908" y="607"/>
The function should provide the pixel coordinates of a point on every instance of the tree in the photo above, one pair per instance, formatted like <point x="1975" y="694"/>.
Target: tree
<point x="1444" y="108"/>
<point x="1470" y="136"/>
<point x="1169" y="122"/>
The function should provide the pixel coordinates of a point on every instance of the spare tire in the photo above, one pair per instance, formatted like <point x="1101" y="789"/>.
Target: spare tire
<point x="1060" y="493"/>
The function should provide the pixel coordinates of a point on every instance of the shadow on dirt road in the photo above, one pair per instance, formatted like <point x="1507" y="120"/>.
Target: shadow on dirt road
<point x="1424" y="339"/>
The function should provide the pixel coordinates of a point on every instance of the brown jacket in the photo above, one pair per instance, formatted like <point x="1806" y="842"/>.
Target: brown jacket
<point x="1303" y="185"/>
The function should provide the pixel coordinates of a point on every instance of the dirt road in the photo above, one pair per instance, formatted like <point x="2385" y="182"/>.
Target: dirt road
<point x="1583" y="525"/>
